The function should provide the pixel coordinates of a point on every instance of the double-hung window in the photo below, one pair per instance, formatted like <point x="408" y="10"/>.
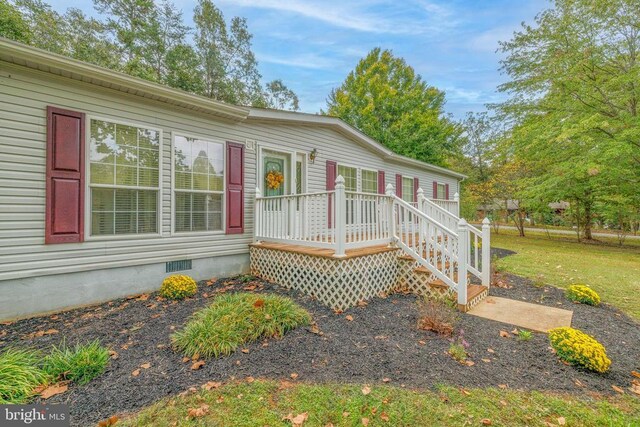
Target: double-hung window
<point x="369" y="181"/>
<point x="124" y="175"/>
<point x="407" y="189"/>
<point x="442" y="191"/>
<point x="198" y="184"/>
<point x="350" y="175"/>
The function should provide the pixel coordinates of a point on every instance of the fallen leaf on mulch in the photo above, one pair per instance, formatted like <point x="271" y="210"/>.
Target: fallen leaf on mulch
<point x="145" y="365"/>
<point x="113" y="354"/>
<point x="362" y="303"/>
<point x="617" y="389"/>
<point x="297" y="420"/>
<point x="293" y="376"/>
<point x="245" y="350"/>
<point x="386" y="380"/>
<point x="250" y="379"/>
<point x="201" y="411"/>
<point x="109" y="421"/>
<point x="579" y="383"/>
<point x="349" y="317"/>
<point x="365" y="421"/>
<point x="197" y="365"/>
<point x="486" y="422"/>
<point x="142" y="297"/>
<point x="486" y="360"/>
<point x="52" y="390"/>
<point x="490" y="350"/>
<point x="186" y="359"/>
<point x="504" y="334"/>
<point x="635" y="374"/>
<point x="315" y="330"/>
<point x="422" y="342"/>
<point x="211" y="384"/>
<point x="635" y="389"/>
<point x="135" y="373"/>
<point x="38" y="334"/>
<point x="515" y="332"/>
<point x="366" y="390"/>
<point x="502" y="386"/>
<point x="469" y="362"/>
<point x="561" y="421"/>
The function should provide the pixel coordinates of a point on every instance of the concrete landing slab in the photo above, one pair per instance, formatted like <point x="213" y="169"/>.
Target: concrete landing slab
<point x="526" y="315"/>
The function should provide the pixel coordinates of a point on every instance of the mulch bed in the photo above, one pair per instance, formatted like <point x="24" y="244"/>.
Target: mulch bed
<point x="381" y="341"/>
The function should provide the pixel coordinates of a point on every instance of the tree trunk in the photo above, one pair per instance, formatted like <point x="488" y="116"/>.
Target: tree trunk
<point x="588" y="219"/>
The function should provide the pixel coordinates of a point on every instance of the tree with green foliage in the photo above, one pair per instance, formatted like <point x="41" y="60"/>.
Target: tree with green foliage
<point x="12" y="24"/>
<point x="574" y="85"/>
<point x="385" y="98"/>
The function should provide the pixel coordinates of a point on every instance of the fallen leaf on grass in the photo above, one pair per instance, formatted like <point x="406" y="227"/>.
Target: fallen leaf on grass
<point x="52" y="390"/>
<point x="384" y="416"/>
<point x="561" y="421"/>
<point x="197" y="365"/>
<point x="617" y="389"/>
<point x="366" y="390"/>
<point x="108" y="422"/>
<point x="465" y="392"/>
<point x="349" y="317"/>
<point x="365" y="421"/>
<point x="201" y="411"/>
<point x="250" y="379"/>
<point x="297" y="420"/>
<point x="486" y="422"/>
<point x="211" y="384"/>
<point x="504" y="334"/>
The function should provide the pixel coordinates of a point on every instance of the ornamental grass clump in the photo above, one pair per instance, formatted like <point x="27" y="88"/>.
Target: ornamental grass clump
<point x="583" y="294"/>
<point x="79" y="364"/>
<point x="577" y="348"/>
<point x="234" y="319"/>
<point x="178" y="287"/>
<point x="19" y="375"/>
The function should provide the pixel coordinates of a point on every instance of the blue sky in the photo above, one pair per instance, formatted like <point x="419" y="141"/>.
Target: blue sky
<point x="313" y="44"/>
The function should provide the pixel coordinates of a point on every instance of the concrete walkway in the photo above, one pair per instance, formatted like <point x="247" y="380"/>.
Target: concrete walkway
<point x="525" y="315"/>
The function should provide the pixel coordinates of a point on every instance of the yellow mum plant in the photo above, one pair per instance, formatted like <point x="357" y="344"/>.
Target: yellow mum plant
<point x="577" y="348"/>
<point x="178" y="286"/>
<point x="583" y="294"/>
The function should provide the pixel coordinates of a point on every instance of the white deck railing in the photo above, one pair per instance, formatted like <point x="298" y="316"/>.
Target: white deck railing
<point x="427" y="230"/>
<point x="451" y="206"/>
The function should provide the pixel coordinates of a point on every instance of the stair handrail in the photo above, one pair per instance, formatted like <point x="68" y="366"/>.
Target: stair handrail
<point x="418" y="212"/>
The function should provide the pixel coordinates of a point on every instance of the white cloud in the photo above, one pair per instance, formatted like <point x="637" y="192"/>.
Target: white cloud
<point x="307" y="60"/>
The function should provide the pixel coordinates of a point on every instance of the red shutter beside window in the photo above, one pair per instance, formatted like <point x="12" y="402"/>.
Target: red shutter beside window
<point x="331" y="175"/>
<point x="416" y="185"/>
<point x="399" y="185"/>
<point x="381" y="183"/>
<point x="235" y="188"/>
<point x="435" y="189"/>
<point x="446" y="191"/>
<point x="64" y="211"/>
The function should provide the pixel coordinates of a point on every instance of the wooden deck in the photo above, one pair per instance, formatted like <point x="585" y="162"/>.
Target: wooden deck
<point x="323" y="252"/>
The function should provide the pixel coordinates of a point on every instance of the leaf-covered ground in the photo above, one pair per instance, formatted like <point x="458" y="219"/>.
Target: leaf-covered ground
<point x="283" y="403"/>
<point x="374" y="344"/>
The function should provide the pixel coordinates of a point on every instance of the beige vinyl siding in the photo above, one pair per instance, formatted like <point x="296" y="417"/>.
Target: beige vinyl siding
<point x="25" y="94"/>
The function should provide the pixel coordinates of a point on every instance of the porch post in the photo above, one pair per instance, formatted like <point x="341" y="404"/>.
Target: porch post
<point x="340" y="218"/>
<point x="456" y="198"/>
<point x="420" y="199"/>
<point x="463" y="248"/>
<point x="390" y="215"/>
<point x="486" y="252"/>
<point x="257" y="216"/>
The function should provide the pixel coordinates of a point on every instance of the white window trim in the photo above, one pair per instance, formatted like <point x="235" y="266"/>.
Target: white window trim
<point x="376" y="171"/>
<point x="438" y="184"/>
<point x="87" y="177"/>
<point x="412" y="188"/>
<point x="174" y="134"/>
<point x="358" y="175"/>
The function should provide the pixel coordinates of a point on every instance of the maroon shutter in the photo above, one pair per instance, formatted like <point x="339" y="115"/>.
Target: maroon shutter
<point x="435" y="189"/>
<point x="331" y="175"/>
<point x="64" y="209"/>
<point x="381" y="183"/>
<point x="446" y="191"/>
<point x="235" y="188"/>
<point x="416" y="185"/>
<point x="399" y="185"/>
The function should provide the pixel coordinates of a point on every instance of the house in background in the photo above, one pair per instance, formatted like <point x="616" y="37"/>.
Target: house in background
<point x="110" y="183"/>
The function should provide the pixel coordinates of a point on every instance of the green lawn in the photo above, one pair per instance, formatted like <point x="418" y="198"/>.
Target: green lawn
<point x="613" y="271"/>
<point x="262" y="403"/>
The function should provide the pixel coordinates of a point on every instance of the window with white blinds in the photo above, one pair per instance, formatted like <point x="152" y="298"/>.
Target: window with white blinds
<point x="369" y="181"/>
<point x="198" y="184"/>
<point x="407" y="189"/>
<point x="124" y="174"/>
<point x="442" y="191"/>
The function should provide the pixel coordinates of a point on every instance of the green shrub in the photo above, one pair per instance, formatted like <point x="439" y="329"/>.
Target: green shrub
<point x="524" y="335"/>
<point x="583" y="294"/>
<point x="234" y="319"/>
<point x="577" y="348"/>
<point x="79" y="364"/>
<point x="19" y="375"/>
<point x="178" y="287"/>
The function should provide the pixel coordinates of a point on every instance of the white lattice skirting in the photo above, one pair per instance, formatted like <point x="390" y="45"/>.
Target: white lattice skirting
<point x="338" y="283"/>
